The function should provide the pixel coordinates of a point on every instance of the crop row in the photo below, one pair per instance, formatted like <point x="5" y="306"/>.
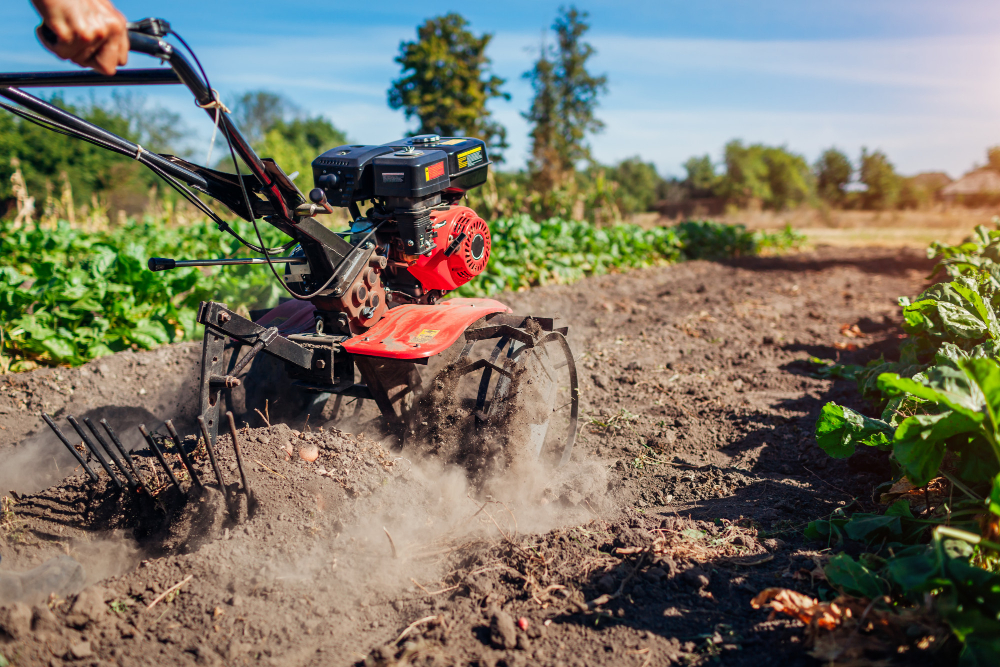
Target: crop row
<point x="68" y="296"/>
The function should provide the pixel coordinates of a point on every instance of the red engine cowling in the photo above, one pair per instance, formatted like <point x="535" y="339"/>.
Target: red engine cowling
<point x="454" y="262"/>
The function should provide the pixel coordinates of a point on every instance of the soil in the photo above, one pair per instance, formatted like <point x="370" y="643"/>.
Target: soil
<point x="692" y="479"/>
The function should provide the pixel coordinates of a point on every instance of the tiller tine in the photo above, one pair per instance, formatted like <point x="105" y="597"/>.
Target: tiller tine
<point x="70" y="447"/>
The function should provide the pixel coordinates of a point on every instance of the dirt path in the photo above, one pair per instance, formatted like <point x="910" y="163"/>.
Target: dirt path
<point x="690" y="485"/>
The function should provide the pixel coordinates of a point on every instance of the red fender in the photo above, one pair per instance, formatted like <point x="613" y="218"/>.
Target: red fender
<point x="416" y="331"/>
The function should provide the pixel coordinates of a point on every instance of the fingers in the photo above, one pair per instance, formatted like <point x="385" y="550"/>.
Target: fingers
<point x="91" y="33"/>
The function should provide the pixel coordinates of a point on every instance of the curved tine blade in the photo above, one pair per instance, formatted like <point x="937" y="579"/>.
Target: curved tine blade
<point x="97" y="452"/>
<point x="484" y="383"/>
<point x="574" y="387"/>
<point x="122" y="450"/>
<point x="239" y="454"/>
<point x="159" y="456"/>
<point x="71" y="448"/>
<point x="111" y="452"/>
<point x="211" y="457"/>
<point x="184" y="455"/>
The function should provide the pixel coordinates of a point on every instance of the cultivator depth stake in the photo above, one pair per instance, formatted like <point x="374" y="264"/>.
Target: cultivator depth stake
<point x="188" y="463"/>
<point x="95" y="450"/>
<point x="124" y="452"/>
<point x="215" y="464"/>
<point x="132" y="482"/>
<point x="239" y="453"/>
<point x="159" y="456"/>
<point x="71" y="448"/>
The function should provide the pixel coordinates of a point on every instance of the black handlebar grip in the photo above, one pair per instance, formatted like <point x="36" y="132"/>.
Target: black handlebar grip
<point x="152" y="46"/>
<point x="161" y="264"/>
<point x="139" y="41"/>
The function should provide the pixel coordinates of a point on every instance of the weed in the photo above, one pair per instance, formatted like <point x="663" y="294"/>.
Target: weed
<point x="118" y="606"/>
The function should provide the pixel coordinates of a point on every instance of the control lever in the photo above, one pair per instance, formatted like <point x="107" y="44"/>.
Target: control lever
<point x="165" y="264"/>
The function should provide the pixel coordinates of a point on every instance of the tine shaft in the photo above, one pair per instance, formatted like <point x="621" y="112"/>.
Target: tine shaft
<point x="124" y="452"/>
<point x="71" y="448"/>
<point x="239" y="453"/>
<point x="210" y="448"/>
<point x="184" y="455"/>
<point x="111" y="452"/>
<point x="159" y="455"/>
<point x="97" y="452"/>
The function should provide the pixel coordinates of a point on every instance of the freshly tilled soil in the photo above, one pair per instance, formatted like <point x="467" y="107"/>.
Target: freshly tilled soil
<point x="693" y="477"/>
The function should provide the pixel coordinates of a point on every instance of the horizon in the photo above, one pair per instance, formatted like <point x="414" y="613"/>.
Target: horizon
<point x="914" y="80"/>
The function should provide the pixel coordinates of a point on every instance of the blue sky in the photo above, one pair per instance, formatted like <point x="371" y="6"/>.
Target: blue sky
<point x="915" y="78"/>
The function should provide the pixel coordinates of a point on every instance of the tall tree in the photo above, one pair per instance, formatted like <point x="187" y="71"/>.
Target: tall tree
<point x="446" y="82"/>
<point x="833" y="173"/>
<point x="884" y="184"/>
<point x="562" y="112"/>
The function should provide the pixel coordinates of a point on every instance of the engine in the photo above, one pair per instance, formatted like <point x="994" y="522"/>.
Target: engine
<point x="430" y="245"/>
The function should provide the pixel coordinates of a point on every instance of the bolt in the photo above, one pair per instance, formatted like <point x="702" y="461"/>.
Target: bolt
<point x="223" y="318"/>
<point x="320" y="364"/>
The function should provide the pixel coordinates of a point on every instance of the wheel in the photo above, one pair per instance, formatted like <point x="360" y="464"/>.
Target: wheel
<point x="509" y="410"/>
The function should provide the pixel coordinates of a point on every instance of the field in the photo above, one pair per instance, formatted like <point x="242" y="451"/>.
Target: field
<point x="688" y="494"/>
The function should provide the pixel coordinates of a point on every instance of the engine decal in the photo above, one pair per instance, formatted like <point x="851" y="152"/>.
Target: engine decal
<point x="436" y="170"/>
<point x="470" y="158"/>
<point x="425" y="335"/>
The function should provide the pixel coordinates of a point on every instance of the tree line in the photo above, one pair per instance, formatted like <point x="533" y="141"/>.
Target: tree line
<point x="445" y="86"/>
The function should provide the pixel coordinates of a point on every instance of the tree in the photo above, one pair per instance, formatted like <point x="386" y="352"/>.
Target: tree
<point x="884" y="184"/>
<point x="993" y="158"/>
<point x="256" y="111"/>
<point x="701" y="177"/>
<point x="562" y="112"/>
<point x="637" y="182"/>
<point x="833" y="173"/>
<point x="770" y="175"/>
<point x="277" y="128"/>
<point x="446" y="82"/>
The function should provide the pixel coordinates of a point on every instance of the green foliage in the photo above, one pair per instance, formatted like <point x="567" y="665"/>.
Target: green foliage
<point x="942" y="418"/>
<point x="276" y="128"/>
<point x="833" y="173"/>
<point x="637" y="185"/>
<point x="446" y="82"/>
<point x="68" y="296"/>
<point x="562" y="111"/>
<point x="884" y="184"/>
<point x="771" y="175"/>
<point x="701" y="177"/>
<point x="47" y="159"/>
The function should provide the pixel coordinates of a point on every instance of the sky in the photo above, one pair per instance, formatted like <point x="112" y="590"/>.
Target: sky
<point x="917" y="79"/>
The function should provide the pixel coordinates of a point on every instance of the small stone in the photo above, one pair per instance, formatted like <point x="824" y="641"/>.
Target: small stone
<point x="235" y="601"/>
<point x="606" y="584"/>
<point x="773" y="544"/>
<point x="81" y="650"/>
<point x="43" y="620"/>
<point x="15" y="620"/>
<point x="503" y="632"/>
<point x="696" y="578"/>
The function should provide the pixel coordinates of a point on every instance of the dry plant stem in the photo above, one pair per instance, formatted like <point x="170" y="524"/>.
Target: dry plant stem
<point x="604" y="599"/>
<point x="412" y="626"/>
<point x="170" y="590"/>
<point x="391" y="544"/>
<point x="266" y="420"/>
<point x="268" y="469"/>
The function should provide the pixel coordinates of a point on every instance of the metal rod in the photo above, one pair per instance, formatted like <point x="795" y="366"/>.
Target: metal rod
<point x="96" y="451"/>
<point x="164" y="263"/>
<point x="215" y="464"/>
<point x="188" y="463"/>
<point x="239" y="453"/>
<point x="159" y="455"/>
<point x="54" y="113"/>
<point x="70" y="447"/>
<point x="111" y="452"/>
<point x="122" y="450"/>
<point x="124" y="77"/>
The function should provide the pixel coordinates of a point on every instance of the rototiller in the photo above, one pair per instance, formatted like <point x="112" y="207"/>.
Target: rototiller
<point x="369" y="299"/>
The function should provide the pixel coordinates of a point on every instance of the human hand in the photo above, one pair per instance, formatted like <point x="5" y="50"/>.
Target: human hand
<point x="91" y="33"/>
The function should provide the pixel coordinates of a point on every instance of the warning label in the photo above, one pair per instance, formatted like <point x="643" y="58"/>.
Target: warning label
<point x="470" y="158"/>
<point x="452" y="142"/>
<point x="436" y="170"/>
<point x="425" y="335"/>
